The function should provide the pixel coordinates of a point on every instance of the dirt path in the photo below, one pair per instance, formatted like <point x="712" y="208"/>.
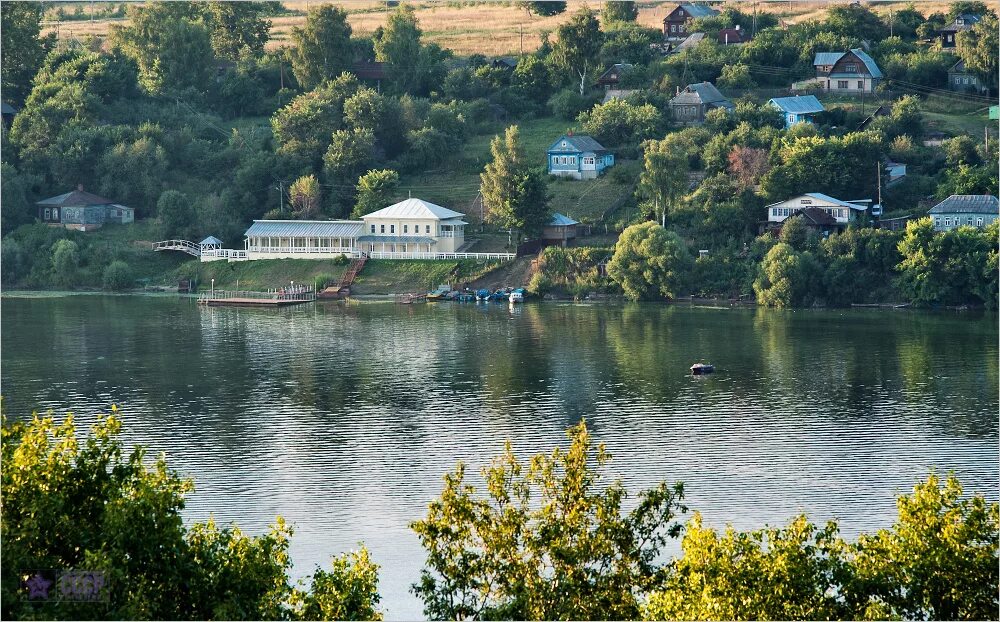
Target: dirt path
<point x="514" y="273"/>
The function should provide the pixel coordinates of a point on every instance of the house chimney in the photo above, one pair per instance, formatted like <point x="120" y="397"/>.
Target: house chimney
<point x="678" y="91"/>
<point x="737" y="27"/>
<point x="79" y="187"/>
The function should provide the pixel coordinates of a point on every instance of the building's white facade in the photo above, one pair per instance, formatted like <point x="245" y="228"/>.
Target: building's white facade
<point x="410" y="229"/>
<point x="842" y="211"/>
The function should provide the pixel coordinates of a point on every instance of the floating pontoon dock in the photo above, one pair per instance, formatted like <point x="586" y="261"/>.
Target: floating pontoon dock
<point x="271" y="298"/>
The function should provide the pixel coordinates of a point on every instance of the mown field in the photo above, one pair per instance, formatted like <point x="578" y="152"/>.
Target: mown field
<point x="483" y="27"/>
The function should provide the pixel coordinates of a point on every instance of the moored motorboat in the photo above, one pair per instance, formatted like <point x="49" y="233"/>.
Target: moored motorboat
<point x="701" y="369"/>
<point x="517" y="295"/>
<point x="438" y="294"/>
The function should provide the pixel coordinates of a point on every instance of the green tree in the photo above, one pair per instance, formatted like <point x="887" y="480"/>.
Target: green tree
<point x="856" y="21"/>
<point x="74" y="503"/>
<point x="238" y="28"/>
<point x="619" y="11"/>
<point x="547" y="539"/>
<point x="118" y="276"/>
<point x="514" y="195"/>
<point x="785" y="277"/>
<point x="350" y="152"/>
<point x="65" y="262"/>
<point x="171" y="45"/>
<point x="946" y="268"/>
<point x="399" y="47"/>
<point x="768" y="574"/>
<point x="664" y="176"/>
<point x="304" y="195"/>
<point x="175" y="212"/>
<point x="650" y="262"/>
<point x="322" y="48"/>
<point x="375" y="190"/>
<point x="303" y="127"/>
<point x="978" y="48"/>
<point x="619" y="122"/>
<point x="938" y="562"/>
<point x="369" y="109"/>
<point x="544" y="8"/>
<point x="578" y="44"/>
<point x="22" y="50"/>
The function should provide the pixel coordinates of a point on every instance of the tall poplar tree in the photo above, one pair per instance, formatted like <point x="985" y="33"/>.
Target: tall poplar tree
<point x="322" y="47"/>
<point x="514" y="196"/>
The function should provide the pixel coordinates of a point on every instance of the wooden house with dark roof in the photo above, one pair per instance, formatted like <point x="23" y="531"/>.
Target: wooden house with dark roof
<point x="962" y="80"/>
<point x="613" y="75"/>
<point x="949" y="33"/>
<point x="965" y="210"/>
<point x="82" y="211"/>
<point x="691" y="104"/>
<point x="675" y="24"/>
<point x="853" y="71"/>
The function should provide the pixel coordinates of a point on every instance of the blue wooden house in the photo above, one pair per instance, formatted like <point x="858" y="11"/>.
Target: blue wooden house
<point x="579" y="157"/>
<point x="797" y="109"/>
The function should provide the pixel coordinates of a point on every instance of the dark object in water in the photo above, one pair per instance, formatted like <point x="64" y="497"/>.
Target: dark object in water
<point x="700" y="369"/>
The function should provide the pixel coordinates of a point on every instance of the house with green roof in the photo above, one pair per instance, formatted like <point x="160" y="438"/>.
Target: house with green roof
<point x="853" y="71"/>
<point x="965" y="210"/>
<point x="579" y="157"/>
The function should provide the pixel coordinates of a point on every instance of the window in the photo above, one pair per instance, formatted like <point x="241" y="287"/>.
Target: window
<point x="673" y="27"/>
<point x="406" y="228"/>
<point x="979" y="222"/>
<point x="48" y="214"/>
<point x="392" y="228"/>
<point x="947" y="222"/>
<point x="958" y="80"/>
<point x="850" y="68"/>
<point x="861" y="85"/>
<point x="427" y="229"/>
<point x="806" y="201"/>
<point x="55" y="213"/>
<point x="373" y="228"/>
<point x="791" y="118"/>
<point x="381" y="229"/>
<point x="937" y="222"/>
<point x="841" y="84"/>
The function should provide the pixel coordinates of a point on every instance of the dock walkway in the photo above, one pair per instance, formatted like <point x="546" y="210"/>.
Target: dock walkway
<point x="271" y="298"/>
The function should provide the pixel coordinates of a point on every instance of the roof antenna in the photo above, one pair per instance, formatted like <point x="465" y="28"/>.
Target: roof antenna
<point x="409" y="194"/>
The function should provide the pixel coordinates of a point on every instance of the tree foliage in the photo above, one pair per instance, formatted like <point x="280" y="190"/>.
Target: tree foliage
<point x="375" y="190"/>
<point x="305" y="196"/>
<point x="619" y="11"/>
<point x="664" y="176"/>
<point x="118" y="276"/>
<point x="578" y="43"/>
<point x="547" y="539"/>
<point x="618" y="122"/>
<point x="650" y="262"/>
<point x="74" y="503"/>
<point x="170" y="43"/>
<point x="22" y="49"/>
<point x="544" y="8"/>
<point x="513" y="194"/>
<point x="239" y="29"/>
<point x="322" y="46"/>
<point x="978" y="48"/>
<point x="938" y="562"/>
<point x="953" y="267"/>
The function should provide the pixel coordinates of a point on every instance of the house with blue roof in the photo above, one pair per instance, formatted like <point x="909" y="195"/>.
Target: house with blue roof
<point x="853" y="71"/>
<point x="798" y="109"/>
<point x="579" y="157"/>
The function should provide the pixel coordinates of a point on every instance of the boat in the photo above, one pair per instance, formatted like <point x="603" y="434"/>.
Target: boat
<point x="498" y="296"/>
<point x="482" y="294"/>
<point x="465" y="297"/>
<point x="438" y="294"/>
<point x="701" y="369"/>
<point x="517" y="295"/>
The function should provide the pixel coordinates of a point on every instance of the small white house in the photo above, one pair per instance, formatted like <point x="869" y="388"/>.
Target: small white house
<point x="843" y="212"/>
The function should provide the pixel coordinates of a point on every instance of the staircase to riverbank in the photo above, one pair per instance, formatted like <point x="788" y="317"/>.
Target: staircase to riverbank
<point x="343" y="288"/>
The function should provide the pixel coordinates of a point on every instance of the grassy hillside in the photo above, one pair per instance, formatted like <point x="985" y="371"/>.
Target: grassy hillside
<point x="391" y="276"/>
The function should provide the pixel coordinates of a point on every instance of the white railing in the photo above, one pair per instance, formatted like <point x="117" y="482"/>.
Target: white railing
<point x="331" y="250"/>
<point x="226" y="253"/>
<point x="286" y="293"/>
<point x="178" y="245"/>
<point x="377" y="255"/>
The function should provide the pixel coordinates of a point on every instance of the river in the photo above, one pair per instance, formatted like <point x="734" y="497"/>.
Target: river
<point x="343" y="418"/>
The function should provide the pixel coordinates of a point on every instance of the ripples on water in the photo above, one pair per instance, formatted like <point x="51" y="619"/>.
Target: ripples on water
<point x="343" y="419"/>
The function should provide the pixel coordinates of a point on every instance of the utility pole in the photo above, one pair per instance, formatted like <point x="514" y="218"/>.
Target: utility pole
<point x="890" y="21"/>
<point x="281" y="196"/>
<point x="520" y="31"/>
<point x="878" y="174"/>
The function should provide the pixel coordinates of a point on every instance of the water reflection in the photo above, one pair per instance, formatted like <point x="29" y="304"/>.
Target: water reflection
<point x="343" y="418"/>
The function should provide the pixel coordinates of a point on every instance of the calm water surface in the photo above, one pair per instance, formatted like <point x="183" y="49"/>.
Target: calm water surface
<point x="344" y="418"/>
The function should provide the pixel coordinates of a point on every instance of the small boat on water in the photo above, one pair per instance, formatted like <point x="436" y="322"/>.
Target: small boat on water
<point x="482" y="294"/>
<point x="438" y="294"/>
<point x="517" y="295"/>
<point x="498" y="296"/>
<point x="702" y="369"/>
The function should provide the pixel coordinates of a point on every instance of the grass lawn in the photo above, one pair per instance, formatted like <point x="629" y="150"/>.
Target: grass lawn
<point x="260" y="275"/>
<point x="394" y="276"/>
<point x="586" y="200"/>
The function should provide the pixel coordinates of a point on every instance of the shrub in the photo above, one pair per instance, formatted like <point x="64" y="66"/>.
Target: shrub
<point x="118" y="276"/>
